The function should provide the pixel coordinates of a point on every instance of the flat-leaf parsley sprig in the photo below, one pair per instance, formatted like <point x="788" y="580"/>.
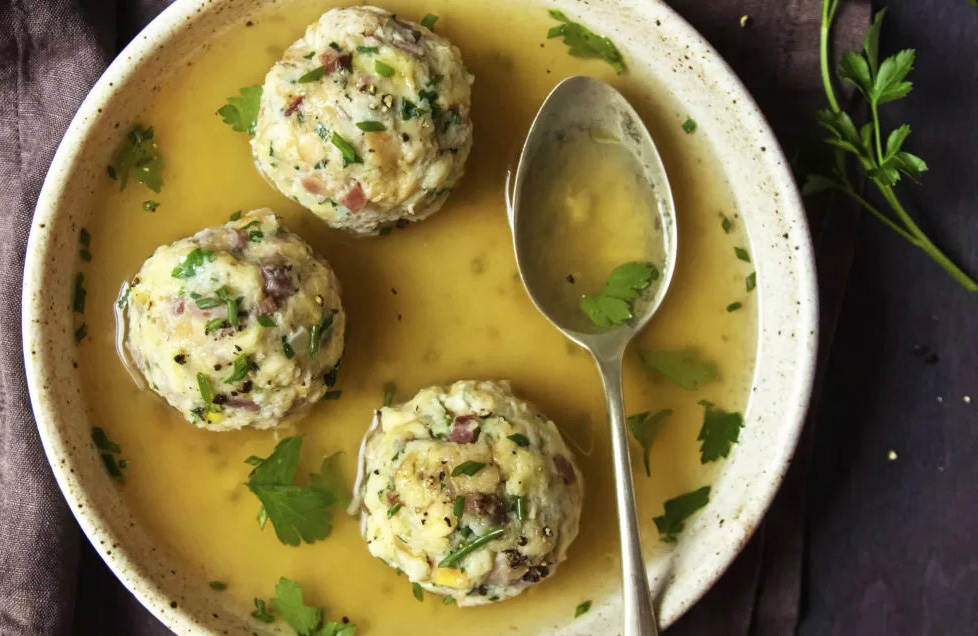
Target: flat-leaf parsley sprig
<point x="881" y="157"/>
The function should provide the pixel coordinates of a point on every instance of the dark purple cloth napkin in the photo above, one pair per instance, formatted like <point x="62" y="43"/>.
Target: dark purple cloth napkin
<point x="52" y="51"/>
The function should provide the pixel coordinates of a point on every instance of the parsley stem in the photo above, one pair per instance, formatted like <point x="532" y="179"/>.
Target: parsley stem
<point x="924" y="243"/>
<point x="876" y="130"/>
<point x="828" y="15"/>
<point x="869" y="207"/>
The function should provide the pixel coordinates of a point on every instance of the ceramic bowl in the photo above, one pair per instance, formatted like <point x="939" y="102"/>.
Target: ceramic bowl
<point x="656" y="42"/>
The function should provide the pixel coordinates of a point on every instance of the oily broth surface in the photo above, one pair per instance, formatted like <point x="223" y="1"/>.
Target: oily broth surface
<point x="436" y="302"/>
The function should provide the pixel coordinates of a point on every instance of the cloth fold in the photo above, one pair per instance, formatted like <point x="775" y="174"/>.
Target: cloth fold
<point x="52" y="51"/>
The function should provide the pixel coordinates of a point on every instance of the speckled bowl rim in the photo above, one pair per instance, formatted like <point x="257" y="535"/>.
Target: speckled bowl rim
<point x="787" y="297"/>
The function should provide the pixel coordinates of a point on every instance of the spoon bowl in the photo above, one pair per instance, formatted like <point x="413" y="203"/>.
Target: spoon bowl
<point x="586" y="108"/>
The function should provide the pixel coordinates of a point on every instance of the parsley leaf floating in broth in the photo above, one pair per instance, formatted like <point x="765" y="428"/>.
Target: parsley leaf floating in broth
<point x="288" y="601"/>
<point x="428" y="21"/>
<point x="329" y="479"/>
<point x="677" y="511"/>
<point x="138" y="156"/>
<point x="720" y="431"/>
<point x="645" y="427"/>
<point x="613" y="306"/>
<point x="689" y="126"/>
<point x="109" y="452"/>
<point x="241" y="111"/>
<point x="305" y="620"/>
<point x="298" y="513"/>
<point x="582" y="608"/>
<point x="583" y="42"/>
<point x="683" y="367"/>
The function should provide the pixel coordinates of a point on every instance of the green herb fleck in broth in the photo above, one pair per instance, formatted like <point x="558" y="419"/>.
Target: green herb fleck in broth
<point x="417" y="591"/>
<point x="102" y="441"/>
<point x="677" y="511"/>
<point x="150" y="206"/>
<point x="261" y="612"/>
<point x="428" y="21"/>
<point x="582" y="609"/>
<point x="241" y="112"/>
<point x="742" y="254"/>
<point x="682" y="367"/>
<point x="220" y="586"/>
<point x="138" y="157"/>
<point x="751" y="281"/>
<point x="331" y="395"/>
<point x="689" y="126"/>
<point x="389" y="390"/>
<point x="108" y="453"/>
<point x="734" y="306"/>
<point x="645" y="427"/>
<point x="81" y="332"/>
<point x="720" y="431"/>
<point x="78" y="294"/>
<point x="582" y="42"/>
<point x="84" y="244"/>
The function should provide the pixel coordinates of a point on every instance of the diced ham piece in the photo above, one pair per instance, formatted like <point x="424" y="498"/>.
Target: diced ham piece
<point x="266" y="306"/>
<point x="406" y="38"/>
<point x="178" y="306"/>
<point x="364" y="82"/>
<point x="237" y="238"/>
<point x="464" y="430"/>
<point x="564" y="469"/>
<point x="313" y="185"/>
<point x="333" y="61"/>
<point x="294" y="105"/>
<point x="277" y="280"/>
<point x="486" y="505"/>
<point x="242" y="403"/>
<point x="354" y="199"/>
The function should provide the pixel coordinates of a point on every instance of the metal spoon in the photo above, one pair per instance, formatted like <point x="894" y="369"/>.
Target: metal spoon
<point x="586" y="104"/>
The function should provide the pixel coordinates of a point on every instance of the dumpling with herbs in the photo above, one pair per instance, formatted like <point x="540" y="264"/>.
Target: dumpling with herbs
<point x="365" y="120"/>
<point x="239" y="325"/>
<point x="470" y="491"/>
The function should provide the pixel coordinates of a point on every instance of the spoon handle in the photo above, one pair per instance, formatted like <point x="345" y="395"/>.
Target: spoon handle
<point x="638" y="615"/>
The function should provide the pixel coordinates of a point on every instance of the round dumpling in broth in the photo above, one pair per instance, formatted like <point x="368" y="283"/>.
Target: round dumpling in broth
<point x="469" y="491"/>
<point x="365" y="120"/>
<point x="239" y="325"/>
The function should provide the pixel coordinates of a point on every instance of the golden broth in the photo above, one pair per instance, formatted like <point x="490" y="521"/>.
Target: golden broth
<point x="433" y="303"/>
<point x="587" y="208"/>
